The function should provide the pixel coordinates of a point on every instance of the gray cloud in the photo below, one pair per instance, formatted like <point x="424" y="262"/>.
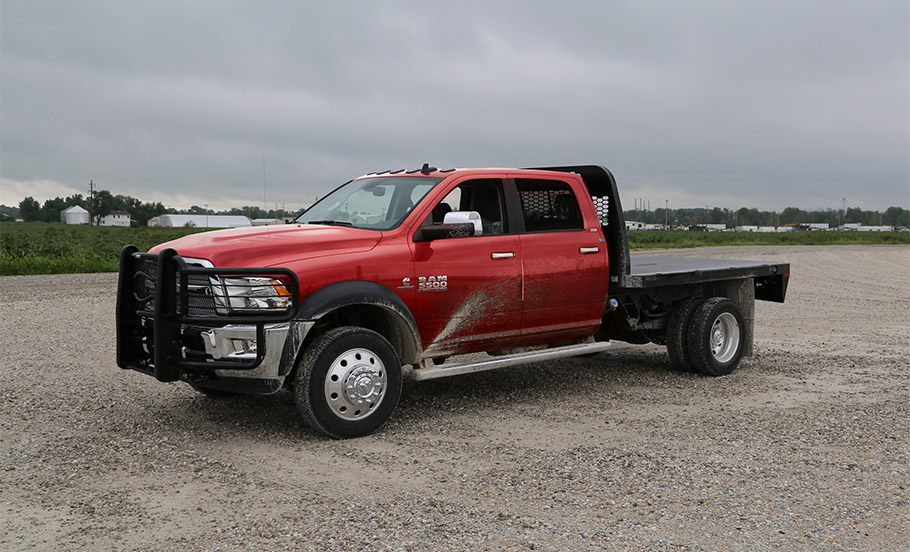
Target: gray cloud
<point x="764" y="104"/>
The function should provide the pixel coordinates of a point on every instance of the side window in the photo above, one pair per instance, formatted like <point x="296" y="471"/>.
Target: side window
<point x="483" y="196"/>
<point x="548" y="205"/>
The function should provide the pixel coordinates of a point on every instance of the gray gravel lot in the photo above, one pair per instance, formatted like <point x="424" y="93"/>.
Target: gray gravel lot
<point x="804" y="447"/>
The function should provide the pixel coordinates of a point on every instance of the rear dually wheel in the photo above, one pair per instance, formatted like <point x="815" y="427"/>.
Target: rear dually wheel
<point x="678" y="334"/>
<point x="716" y="337"/>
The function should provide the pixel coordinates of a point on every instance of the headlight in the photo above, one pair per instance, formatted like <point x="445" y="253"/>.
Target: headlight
<point x="251" y="294"/>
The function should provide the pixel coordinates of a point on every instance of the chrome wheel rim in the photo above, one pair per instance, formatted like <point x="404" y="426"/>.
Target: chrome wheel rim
<point x="724" y="337"/>
<point x="355" y="384"/>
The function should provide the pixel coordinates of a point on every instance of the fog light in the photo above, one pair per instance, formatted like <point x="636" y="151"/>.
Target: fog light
<point x="244" y="346"/>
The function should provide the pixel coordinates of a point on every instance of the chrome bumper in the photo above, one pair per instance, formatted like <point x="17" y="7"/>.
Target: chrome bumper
<point x="239" y="343"/>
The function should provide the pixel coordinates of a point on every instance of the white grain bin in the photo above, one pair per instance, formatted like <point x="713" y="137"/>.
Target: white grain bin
<point x="74" y="215"/>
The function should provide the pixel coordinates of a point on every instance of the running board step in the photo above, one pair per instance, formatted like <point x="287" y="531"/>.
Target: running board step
<point x="446" y="370"/>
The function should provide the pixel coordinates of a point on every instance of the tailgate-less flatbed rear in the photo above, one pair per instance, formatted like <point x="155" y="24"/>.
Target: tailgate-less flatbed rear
<point x="651" y="272"/>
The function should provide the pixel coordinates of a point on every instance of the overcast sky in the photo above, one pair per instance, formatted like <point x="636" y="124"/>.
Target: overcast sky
<point x="762" y="104"/>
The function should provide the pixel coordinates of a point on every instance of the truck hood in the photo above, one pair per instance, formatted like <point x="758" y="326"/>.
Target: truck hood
<point x="271" y="245"/>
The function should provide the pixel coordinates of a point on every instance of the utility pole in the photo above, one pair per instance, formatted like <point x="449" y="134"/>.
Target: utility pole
<point x="265" y="204"/>
<point x="666" y="212"/>
<point x="91" y="194"/>
<point x="206" y="214"/>
<point x="844" y="208"/>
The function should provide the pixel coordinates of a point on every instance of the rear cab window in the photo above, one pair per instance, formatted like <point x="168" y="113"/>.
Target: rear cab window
<point x="548" y="206"/>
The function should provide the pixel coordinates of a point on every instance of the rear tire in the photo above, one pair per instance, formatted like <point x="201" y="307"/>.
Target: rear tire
<point x="678" y="334"/>
<point x="716" y="337"/>
<point x="348" y="382"/>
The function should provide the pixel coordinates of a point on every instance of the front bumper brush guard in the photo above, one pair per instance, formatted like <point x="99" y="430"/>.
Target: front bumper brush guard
<point x="169" y="310"/>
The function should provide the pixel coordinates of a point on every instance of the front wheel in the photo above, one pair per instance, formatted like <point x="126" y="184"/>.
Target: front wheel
<point x="716" y="337"/>
<point x="348" y="382"/>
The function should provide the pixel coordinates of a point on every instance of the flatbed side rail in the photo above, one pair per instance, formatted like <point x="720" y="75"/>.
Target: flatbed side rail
<point x="770" y="280"/>
<point x="164" y="304"/>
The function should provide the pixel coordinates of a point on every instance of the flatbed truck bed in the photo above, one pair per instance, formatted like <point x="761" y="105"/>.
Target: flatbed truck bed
<point x="648" y="271"/>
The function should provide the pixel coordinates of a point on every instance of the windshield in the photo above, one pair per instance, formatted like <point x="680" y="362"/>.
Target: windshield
<point x="380" y="203"/>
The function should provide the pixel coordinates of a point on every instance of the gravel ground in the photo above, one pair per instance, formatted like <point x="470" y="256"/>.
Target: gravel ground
<point x="804" y="447"/>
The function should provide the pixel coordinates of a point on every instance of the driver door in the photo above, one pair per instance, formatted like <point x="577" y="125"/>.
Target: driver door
<point x="469" y="288"/>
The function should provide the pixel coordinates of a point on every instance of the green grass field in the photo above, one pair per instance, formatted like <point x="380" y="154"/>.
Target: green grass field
<point x="43" y="248"/>
<point x="46" y="248"/>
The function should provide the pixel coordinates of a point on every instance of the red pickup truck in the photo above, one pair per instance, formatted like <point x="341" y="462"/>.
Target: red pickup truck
<point x="399" y="272"/>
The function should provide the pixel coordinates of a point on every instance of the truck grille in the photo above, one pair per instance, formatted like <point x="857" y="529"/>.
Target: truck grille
<point x="200" y="301"/>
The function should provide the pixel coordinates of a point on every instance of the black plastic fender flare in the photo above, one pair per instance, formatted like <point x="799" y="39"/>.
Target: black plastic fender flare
<point x="359" y="292"/>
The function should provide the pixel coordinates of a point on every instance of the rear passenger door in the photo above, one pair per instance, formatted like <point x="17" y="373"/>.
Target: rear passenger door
<point x="565" y="264"/>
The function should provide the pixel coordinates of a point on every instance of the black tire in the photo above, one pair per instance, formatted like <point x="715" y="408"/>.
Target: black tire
<point x="716" y="337"/>
<point x="212" y="393"/>
<point x="348" y="382"/>
<point x="678" y="334"/>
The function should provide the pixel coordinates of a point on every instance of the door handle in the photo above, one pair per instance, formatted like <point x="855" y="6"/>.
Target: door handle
<point x="587" y="250"/>
<point x="508" y="255"/>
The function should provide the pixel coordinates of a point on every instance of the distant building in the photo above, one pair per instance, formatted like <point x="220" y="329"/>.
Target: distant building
<point x="747" y="228"/>
<point x="813" y="226"/>
<point x="116" y="218"/>
<point x="709" y="227"/>
<point x="74" y="215"/>
<point x="266" y="221"/>
<point x="200" y="221"/>
<point x="634" y="225"/>
<point x="875" y="229"/>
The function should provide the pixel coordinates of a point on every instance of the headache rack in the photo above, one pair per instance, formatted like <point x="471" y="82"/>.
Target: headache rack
<point x="165" y="303"/>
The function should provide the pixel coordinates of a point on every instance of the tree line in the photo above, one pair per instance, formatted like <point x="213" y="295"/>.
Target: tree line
<point x="103" y="203"/>
<point x="892" y="216"/>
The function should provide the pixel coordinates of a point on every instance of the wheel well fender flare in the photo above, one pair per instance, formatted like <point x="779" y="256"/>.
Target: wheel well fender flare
<point x="358" y="292"/>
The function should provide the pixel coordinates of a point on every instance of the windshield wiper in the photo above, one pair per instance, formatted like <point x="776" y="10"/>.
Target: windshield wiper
<point x="331" y="222"/>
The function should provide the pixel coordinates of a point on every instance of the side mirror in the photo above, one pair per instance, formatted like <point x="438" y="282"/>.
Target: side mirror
<point x="457" y="224"/>
<point x="465" y="217"/>
<point x="443" y="232"/>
